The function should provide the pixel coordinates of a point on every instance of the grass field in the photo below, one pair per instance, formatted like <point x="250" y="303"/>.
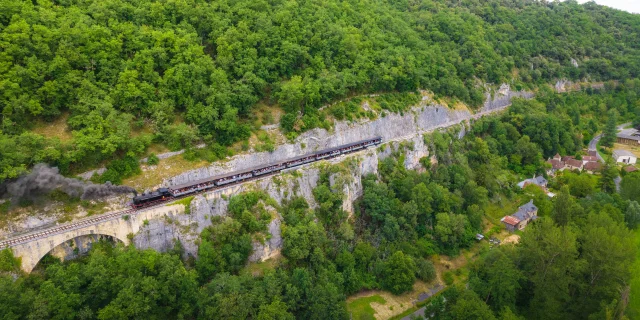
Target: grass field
<point x="153" y="175"/>
<point x="360" y="309"/>
<point x="633" y="149"/>
<point x="633" y="309"/>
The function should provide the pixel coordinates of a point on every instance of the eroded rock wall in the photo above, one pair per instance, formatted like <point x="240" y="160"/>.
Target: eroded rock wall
<point x="400" y="133"/>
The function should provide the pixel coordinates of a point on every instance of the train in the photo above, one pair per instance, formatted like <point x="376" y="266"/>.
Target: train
<point x="181" y="190"/>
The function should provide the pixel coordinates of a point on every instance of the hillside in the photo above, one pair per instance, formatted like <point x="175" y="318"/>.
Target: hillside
<point x="116" y="77"/>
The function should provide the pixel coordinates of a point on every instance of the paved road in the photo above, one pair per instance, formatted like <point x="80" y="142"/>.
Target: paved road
<point x="593" y="144"/>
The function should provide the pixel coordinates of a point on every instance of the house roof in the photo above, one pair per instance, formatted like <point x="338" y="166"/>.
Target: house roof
<point x="565" y="158"/>
<point x="556" y="164"/>
<point x="632" y="134"/>
<point x="622" y="153"/>
<point x="539" y="180"/>
<point x="630" y="169"/>
<point x="524" y="211"/>
<point x="592" y="166"/>
<point x="589" y="158"/>
<point x="557" y="156"/>
<point x="511" y="220"/>
<point x="593" y="153"/>
<point x="574" y="163"/>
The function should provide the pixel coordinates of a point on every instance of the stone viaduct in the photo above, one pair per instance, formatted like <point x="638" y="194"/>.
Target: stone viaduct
<point x="32" y="247"/>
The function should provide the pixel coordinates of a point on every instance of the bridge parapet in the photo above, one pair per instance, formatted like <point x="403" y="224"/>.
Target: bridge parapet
<point x="34" y="246"/>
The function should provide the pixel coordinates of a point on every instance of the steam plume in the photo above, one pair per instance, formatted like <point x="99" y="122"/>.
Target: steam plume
<point x="43" y="179"/>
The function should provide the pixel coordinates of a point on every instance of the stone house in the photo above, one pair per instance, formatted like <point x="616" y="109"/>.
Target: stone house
<point x="539" y="181"/>
<point x="519" y="220"/>
<point x="592" y="167"/>
<point x="556" y="165"/>
<point x="573" y="164"/>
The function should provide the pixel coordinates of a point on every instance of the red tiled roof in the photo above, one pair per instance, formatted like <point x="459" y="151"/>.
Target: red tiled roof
<point x="574" y="163"/>
<point x="510" y="220"/>
<point x="589" y="158"/>
<point x="566" y="158"/>
<point x="556" y="164"/>
<point x="592" y="166"/>
<point x="593" y="153"/>
<point x="630" y="169"/>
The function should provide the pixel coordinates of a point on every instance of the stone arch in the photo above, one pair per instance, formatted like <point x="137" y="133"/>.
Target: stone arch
<point x="47" y="245"/>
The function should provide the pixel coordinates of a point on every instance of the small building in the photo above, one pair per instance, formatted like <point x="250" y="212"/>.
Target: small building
<point x="586" y="159"/>
<point x="556" y="165"/>
<point x="629" y="136"/>
<point x="630" y="169"/>
<point x="557" y="157"/>
<point x="539" y="181"/>
<point x="593" y="153"/>
<point x="624" y="156"/>
<point x="567" y="158"/>
<point x="573" y="164"/>
<point x="519" y="220"/>
<point x="592" y="166"/>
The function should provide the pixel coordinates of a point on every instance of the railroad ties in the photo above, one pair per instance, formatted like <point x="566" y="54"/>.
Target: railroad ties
<point x="62" y="228"/>
<point x="92" y="220"/>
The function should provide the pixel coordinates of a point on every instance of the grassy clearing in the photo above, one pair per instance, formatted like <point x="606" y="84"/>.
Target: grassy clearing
<point x="152" y="176"/>
<point x="633" y="308"/>
<point x="633" y="149"/>
<point x="360" y="309"/>
<point x="55" y="129"/>
<point x="498" y="209"/>
<point x="156" y="148"/>
<point x="393" y="304"/>
<point x="364" y="306"/>
<point x="258" y="269"/>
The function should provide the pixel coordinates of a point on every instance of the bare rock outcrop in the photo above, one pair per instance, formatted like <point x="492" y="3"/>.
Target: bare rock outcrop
<point x="400" y="133"/>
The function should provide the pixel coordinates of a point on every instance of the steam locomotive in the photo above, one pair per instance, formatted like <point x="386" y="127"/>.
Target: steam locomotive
<point x="180" y="190"/>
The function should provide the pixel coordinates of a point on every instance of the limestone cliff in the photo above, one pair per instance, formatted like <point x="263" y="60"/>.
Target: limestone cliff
<point x="400" y="132"/>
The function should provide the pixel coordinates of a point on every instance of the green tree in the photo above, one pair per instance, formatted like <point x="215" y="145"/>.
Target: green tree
<point x="497" y="281"/>
<point x="291" y="94"/>
<point x="630" y="186"/>
<point x="632" y="215"/>
<point x="425" y="270"/>
<point x="549" y="257"/>
<point x="398" y="273"/>
<point x="610" y="129"/>
<point x="607" y="179"/>
<point x="607" y="252"/>
<point x="565" y="209"/>
<point x="470" y="306"/>
<point x="276" y="310"/>
<point x="450" y="228"/>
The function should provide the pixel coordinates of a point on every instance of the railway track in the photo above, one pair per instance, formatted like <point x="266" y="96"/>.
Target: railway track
<point x="116" y="215"/>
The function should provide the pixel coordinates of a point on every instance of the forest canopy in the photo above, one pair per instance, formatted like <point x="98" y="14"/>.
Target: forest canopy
<point x="574" y="262"/>
<point x="188" y="71"/>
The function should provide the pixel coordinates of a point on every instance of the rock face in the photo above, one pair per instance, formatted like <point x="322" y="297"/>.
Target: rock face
<point x="271" y="247"/>
<point x="161" y="234"/>
<point x="78" y="246"/>
<point x="400" y="132"/>
<point x="422" y="118"/>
